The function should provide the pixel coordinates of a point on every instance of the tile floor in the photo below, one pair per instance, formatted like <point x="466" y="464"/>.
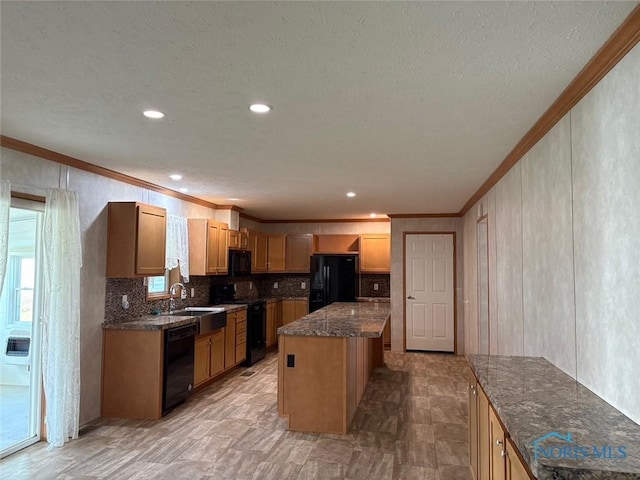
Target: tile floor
<point x="411" y="424"/>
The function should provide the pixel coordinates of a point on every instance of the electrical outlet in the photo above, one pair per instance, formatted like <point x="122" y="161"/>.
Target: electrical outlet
<point x="303" y="285"/>
<point x="250" y="285"/>
<point x="193" y="292"/>
<point x="275" y="284"/>
<point x="375" y="286"/>
<point x="183" y="293"/>
<point x="125" y="302"/>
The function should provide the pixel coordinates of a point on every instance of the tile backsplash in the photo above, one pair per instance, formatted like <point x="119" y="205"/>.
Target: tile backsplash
<point x="367" y="284"/>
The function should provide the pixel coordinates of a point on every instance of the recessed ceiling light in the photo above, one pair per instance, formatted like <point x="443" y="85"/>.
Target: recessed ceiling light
<point x="372" y="215"/>
<point x="351" y="194"/>
<point x="175" y="176"/>
<point x="184" y="190"/>
<point x="153" y="114"/>
<point x="259" y="108"/>
<point x="233" y="199"/>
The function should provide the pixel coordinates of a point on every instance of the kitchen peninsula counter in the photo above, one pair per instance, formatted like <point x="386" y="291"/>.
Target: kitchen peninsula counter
<point x="325" y="360"/>
<point x="535" y="400"/>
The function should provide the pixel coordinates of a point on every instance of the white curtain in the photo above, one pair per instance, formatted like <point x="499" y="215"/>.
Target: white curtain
<point x="61" y="315"/>
<point x="5" y="205"/>
<point x="178" y="245"/>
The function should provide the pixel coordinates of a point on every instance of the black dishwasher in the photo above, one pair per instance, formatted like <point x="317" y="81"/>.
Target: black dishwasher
<point x="179" y="348"/>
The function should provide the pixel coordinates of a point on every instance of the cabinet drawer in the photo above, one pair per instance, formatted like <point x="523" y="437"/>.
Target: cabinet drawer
<point x="241" y="327"/>
<point x="241" y="316"/>
<point x="241" y="338"/>
<point x="241" y="352"/>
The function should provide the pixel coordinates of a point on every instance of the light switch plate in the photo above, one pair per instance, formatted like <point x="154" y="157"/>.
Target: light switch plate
<point x="250" y="285"/>
<point x="193" y="292"/>
<point x="303" y="285"/>
<point x="375" y="286"/>
<point x="275" y="284"/>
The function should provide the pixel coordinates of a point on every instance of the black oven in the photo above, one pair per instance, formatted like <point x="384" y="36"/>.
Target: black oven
<point x="239" y="263"/>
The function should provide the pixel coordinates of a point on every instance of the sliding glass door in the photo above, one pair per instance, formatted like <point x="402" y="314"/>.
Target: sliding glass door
<point x="20" y="339"/>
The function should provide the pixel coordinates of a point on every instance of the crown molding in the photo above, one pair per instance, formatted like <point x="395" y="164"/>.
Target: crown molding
<point x="36" y="151"/>
<point x="619" y="44"/>
<point x="422" y="215"/>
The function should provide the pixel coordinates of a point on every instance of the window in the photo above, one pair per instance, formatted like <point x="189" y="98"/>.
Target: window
<point x="158" y="287"/>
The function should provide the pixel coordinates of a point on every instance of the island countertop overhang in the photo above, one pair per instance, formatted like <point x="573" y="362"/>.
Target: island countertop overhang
<point x="341" y="319"/>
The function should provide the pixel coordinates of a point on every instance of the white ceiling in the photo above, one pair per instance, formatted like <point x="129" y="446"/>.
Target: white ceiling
<point x="411" y="105"/>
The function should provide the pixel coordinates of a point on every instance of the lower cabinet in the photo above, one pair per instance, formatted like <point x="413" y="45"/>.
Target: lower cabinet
<point x="492" y="453"/>
<point x="209" y="356"/>
<point x="294" y="309"/>
<point x="272" y="324"/>
<point x="235" y="338"/>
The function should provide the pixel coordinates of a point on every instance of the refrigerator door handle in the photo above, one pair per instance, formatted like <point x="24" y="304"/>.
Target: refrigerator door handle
<point x="328" y="285"/>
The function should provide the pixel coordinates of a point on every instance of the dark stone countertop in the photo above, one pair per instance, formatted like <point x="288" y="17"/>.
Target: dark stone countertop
<point x="534" y="398"/>
<point x="162" y="321"/>
<point x="341" y="320"/>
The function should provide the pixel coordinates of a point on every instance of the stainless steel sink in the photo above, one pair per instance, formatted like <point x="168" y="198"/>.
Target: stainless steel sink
<point x="207" y="320"/>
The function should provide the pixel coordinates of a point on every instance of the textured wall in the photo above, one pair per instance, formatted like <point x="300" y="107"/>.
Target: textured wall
<point x="470" y="265"/>
<point x="423" y="225"/>
<point x="547" y="283"/>
<point x="606" y="193"/>
<point x="33" y="175"/>
<point x="508" y="316"/>
<point x="567" y="257"/>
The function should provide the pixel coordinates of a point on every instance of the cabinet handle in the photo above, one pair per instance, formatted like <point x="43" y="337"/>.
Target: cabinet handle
<point x="503" y="453"/>
<point x="473" y="389"/>
<point x="498" y="442"/>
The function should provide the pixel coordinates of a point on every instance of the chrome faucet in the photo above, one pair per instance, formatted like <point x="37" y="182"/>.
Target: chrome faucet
<point x="172" y="292"/>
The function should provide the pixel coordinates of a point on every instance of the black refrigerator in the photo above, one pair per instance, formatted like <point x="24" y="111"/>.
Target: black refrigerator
<point x="334" y="278"/>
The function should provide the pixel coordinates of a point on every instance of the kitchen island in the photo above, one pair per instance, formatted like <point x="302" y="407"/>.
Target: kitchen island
<point x="325" y="360"/>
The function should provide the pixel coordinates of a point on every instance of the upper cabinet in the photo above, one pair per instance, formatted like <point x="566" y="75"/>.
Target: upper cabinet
<point x="208" y="247"/>
<point x="276" y="253"/>
<point x="239" y="239"/>
<point x="375" y="253"/>
<point x="336" y="244"/>
<point x="258" y="244"/>
<point x="298" y="253"/>
<point x="136" y="240"/>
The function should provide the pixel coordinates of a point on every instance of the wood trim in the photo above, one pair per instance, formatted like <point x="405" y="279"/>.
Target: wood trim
<point x="423" y="215"/>
<point x="36" y="151"/>
<point x="317" y="220"/>
<point x="404" y="288"/>
<point x="619" y="44"/>
<point x="28" y="196"/>
<point x="233" y="208"/>
<point x="250" y="217"/>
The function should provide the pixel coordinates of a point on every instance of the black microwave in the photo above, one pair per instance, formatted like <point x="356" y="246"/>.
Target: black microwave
<point x="239" y="263"/>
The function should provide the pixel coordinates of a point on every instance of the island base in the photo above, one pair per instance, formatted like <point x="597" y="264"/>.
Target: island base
<point x="321" y="380"/>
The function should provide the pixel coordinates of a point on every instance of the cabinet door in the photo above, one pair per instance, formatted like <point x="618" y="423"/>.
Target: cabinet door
<point x="230" y="341"/>
<point x="262" y="244"/>
<point x="301" y="308"/>
<point x="276" y="252"/>
<point x="375" y="253"/>
<point x="223" y="248"/>
<point x="298" y="253"/>
<point x="473" y="424"/>
<point x="288" y="311"/>
<point x="498" y="452"/>
<point x="201" y="361"/>
<point x="234" y="239"/>
<point x="515" y="469"/>
<point x="151" y="241"/>
<point x="484" y="441"/>
<point x="271" y="324"/>
<point x="217" y="352"/>
<point x="244" y="239"/>
<point x="212" y="247"/>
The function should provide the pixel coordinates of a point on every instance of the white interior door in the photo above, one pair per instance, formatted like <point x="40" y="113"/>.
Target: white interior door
<point x="429" y="286"/>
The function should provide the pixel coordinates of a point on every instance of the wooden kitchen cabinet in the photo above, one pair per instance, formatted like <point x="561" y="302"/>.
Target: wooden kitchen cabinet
<point x="515" y="469"/>
<point x="208" y="247"/>
<point x="336" y="244"/>
<point x="238" y="239"/>
<point x="298" y="254"/>
<point x="132" y="369"/>
<point x="484" y="440"/>
<point x="235" y="338"/>
<point x="272" y="323"/>
<point x="276" y="253"/>
<point x="473" y="424"/>
<point x="293" y="309"/>
<point x="136" y="240"/>
<point x="375" y="253"/>
<point x="496" y="458"/>
<point x="209" y="356"/>
<point x="258" y="244"/>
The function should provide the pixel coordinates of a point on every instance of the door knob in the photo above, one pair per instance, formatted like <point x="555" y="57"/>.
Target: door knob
<point x="410" y="297"/>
